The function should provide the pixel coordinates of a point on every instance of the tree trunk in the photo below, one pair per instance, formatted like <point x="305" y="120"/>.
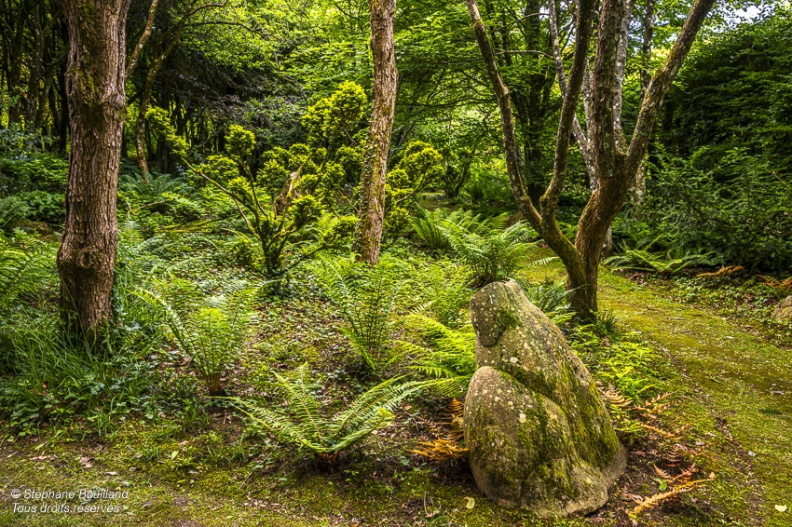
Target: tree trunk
<point x="372" y="191"/>
<point x="95" y="88"/>
<point x="140" y="132"/>
<point x="609" y="157"/>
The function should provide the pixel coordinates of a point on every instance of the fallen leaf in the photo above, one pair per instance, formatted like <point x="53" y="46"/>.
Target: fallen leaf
<point x="470" y="502"/>
<point x="781" y="508"/>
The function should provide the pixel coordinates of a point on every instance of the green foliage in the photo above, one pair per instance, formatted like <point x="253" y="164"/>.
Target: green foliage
<point x="734" y="92"/>
<point x="426" y="226"/>
<point x="670" y="262"/>
<point x="159" y="123"/>
<point x="286" y="204"/>
<point x="551" y="298"/>
<point x="12" y="210"/>
<point x="25" y="268"/>
<point x="419" y="166"/>
<point x="493" y="254"/>
<point x="736" y="207"/>
<point x="159" y="198"/>
<point x="626" y="363"/>
<point x="211" y="332"/>
<point x="336" y="116"/>
<point x="305" y="425"/>
<point x="489" y="185"/>
<point x="366" y="297"/>
<point x="57" y="379"/>
<point x="444" y="285"/>
<point x="446" y="355"/>
<point x="240" y="142"/>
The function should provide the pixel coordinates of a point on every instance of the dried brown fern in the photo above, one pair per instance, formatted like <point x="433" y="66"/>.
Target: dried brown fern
<point x="781" y="285"/>
<point x="654" y="408"/>
<point x="723" y="271"/>
<point x="614" y="398"/>
<point x="450" y="445"/>
<point x="653" y="501"/>
<point x="658" y="431"/>
<point x="440" y="449"/>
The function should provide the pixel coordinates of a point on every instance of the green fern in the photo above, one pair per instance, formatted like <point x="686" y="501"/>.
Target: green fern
<point x="668" y="262"/>
<point x="305" y="425"/>
<point x="366" y="297"/>
<point x="154" y="186"/>
<point x="443" y="286"/>
<point x="211" y="333"/>
<point x="12" y="210"/>
<point x="23" y="270"/>
<point x="493" y="254"/>
<point x="552" y="298"/>
<point x="426" y="227"/>
<point x="445" y="355"/>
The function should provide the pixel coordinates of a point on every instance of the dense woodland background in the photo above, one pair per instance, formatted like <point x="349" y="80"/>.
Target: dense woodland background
<point x="243" y="149"/>
<point x="718" y="180"/>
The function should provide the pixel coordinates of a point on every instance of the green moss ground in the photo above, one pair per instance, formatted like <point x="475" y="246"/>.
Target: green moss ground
<point x="732" y="385"/>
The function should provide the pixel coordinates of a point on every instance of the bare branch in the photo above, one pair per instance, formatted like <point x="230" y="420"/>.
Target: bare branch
<point x="133" y="60"/>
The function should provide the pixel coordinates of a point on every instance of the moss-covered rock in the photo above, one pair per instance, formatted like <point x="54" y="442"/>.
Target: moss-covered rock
<point x="783" y="313"/>
<point x="537" y="429"/>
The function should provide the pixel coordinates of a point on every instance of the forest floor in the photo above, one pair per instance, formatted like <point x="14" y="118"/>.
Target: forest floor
<point x="730" y="382"/>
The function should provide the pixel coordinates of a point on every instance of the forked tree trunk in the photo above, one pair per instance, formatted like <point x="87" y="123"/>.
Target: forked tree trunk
<point x="372" y="191"/>
<point x="95" y="88"/>
<point x="609" y="156"/>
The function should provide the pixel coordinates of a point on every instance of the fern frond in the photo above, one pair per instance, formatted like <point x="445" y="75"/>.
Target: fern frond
<point x="655" y="500"/>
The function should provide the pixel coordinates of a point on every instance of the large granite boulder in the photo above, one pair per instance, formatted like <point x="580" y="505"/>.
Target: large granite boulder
<point x="783" y="313"/>
<point x="536" y="426"/>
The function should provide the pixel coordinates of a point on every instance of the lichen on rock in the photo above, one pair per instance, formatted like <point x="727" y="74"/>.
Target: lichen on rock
<point x="783" y="313"/>
<point x="537" y="429"/>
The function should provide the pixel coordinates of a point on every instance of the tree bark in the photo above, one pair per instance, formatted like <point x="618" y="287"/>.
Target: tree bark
<point x="613" y="162"/>
<point x="95" y="89"/>
<point x="372" y="192"/>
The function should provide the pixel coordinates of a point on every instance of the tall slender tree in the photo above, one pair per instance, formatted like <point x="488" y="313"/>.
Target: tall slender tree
<point x="375" y="165"/>
<point x="95" y="88"/>
<point x="609" y="155"/>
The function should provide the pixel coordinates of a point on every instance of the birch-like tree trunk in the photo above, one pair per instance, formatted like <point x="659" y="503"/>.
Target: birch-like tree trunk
<point x="375" y="163"/>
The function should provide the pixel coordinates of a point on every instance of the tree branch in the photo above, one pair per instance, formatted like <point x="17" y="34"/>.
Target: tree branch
<point x="507" y="118"/>
<point x="662" y="82"/>
<point x="133" y="60"/>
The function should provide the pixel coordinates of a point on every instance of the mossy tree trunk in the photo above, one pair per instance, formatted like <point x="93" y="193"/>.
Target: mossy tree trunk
<point x="610" y="156"/>
<point x="95" y="89"/>
<point x="375" y="164"/>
